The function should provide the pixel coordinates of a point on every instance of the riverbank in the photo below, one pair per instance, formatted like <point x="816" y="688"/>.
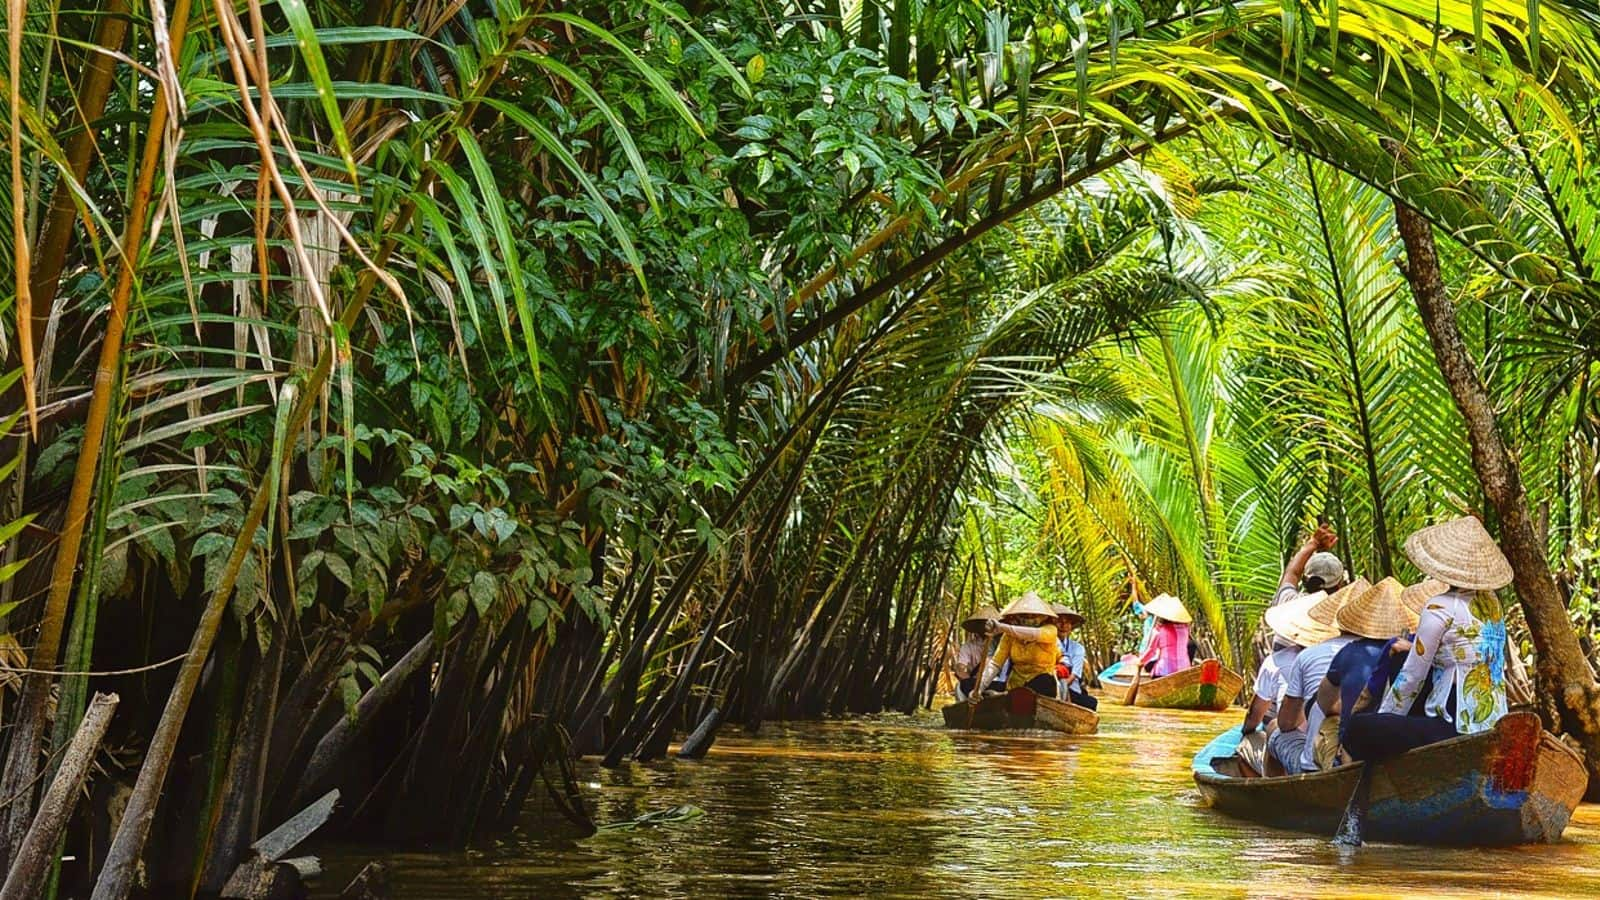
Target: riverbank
<point x="899" y="807"/>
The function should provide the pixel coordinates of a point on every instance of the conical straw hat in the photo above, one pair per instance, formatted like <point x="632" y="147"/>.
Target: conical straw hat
<point x="1066" y="612"/>
<point x="1028" y="604"/>
<point x="1170" y="608"/>
<point x="979" y="616"/>
<point x="1291" y="620"/>
<point x="1415" y="597"/>
<point x="1460" y="553"/>
<point x="1377" y="613"/>
<point x="1326" y="610"/>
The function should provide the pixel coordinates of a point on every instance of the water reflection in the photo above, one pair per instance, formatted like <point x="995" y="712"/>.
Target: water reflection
<point x="898" y="807"/>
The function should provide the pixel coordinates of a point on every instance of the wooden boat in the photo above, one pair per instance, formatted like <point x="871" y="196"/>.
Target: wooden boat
<point x="1021" y="709"/>
<point x="1513" y="784"/>
<point x="1209" y="686"/>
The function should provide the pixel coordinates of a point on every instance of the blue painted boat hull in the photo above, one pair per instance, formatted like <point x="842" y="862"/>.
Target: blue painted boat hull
<point x="1514" y="784"/>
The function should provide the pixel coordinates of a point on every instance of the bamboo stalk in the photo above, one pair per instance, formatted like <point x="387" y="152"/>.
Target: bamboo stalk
<point x="23" y="761"/>
<point x="116" y="878"/>
<point x="50" y="251"/>
<point x="16" y="21"/>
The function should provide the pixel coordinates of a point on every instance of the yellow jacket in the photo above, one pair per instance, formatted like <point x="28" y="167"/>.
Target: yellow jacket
<point x="1029" y="659"/>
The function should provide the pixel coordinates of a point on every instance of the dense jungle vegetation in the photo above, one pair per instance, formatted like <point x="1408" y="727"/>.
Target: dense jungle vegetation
<point x="404" y="397"/>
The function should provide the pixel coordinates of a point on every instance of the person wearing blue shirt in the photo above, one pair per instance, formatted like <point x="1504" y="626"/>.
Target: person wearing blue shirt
<point x="1376" y="618"/>
<point x="1069" y="671"/>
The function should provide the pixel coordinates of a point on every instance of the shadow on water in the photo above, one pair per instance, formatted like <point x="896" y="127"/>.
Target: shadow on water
<point x="900" y="807"/>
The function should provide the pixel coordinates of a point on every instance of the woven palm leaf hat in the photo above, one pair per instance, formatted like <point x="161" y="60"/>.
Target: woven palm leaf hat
<point x="1170" y="608"/>
<point x="1291" y="620"/>
<point x="1066" y="612"/>
<point x="1327" y="610"/>
<point x="1460" y="553"/>
<point x="1377" y="613"/>
<point x="980" y="617"/>
<point x="1029" y="604"/>
<point x="1416" y="596"/>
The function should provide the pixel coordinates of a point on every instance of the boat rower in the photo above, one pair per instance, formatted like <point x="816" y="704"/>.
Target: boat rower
<point x="1028" y="642"/>
<point x="1459" y="649"/>
<point x="970" y="658"/>
<point x="1169" y="641"/>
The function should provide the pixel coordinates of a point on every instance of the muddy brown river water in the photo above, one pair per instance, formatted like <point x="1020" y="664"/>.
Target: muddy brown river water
<point x="896" y="806"/>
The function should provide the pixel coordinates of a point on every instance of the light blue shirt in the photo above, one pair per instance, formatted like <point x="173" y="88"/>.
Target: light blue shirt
<point x="1149" y="627"/>
<point x="1073" y="654"/>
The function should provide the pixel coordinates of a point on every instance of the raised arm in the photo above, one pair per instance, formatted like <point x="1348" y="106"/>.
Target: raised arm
<point x="1031" y="634"/>
<point x="1321" y="539"/>
<point x="992" y="667"/>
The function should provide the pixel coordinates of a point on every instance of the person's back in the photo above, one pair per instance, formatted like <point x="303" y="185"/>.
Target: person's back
<point x="1456" y="664"/>
<point x="1312" y="664"/>
<point x="1171" y="642"/>
<point x="1290" y="745"/>
<point x="1270" y="683"/>
<point x="1348" y="674"/>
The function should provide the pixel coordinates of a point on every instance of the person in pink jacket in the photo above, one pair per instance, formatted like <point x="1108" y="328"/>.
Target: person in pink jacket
<point x="1169" y="642"/>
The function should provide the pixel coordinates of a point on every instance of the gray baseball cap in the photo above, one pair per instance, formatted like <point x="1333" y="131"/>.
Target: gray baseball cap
<point x="1326" y="566"/>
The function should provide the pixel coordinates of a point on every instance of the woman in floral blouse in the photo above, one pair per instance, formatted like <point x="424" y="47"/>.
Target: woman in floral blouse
<point x="1457" y="662"/>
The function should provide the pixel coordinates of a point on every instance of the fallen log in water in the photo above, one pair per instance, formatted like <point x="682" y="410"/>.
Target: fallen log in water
<point x="37" y="850"/>
<point x="696" y="745"/>
<point x="265" y="874"/>
<point x="258" y="879"/>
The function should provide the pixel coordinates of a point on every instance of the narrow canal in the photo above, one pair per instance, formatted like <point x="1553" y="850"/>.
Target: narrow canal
<point x="899" y="807"/>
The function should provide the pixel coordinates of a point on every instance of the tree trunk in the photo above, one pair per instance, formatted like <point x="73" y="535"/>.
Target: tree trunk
<point x="1562" y="667"/>
<point x="330" y="750"/>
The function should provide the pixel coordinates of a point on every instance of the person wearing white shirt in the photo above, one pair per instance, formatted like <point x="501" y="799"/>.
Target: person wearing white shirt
<point x="1289" y="744"/>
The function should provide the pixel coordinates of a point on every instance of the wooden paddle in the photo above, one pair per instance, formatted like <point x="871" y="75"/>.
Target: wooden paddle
<point x="1133" y="689"/>
<point x="1355" y="812"/>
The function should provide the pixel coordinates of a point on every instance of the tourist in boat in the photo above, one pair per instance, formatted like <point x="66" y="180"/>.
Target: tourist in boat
<point x="970" y="658"/>
<point x="1294" y="628"/>
<point x="1315" y="566"/>
<point x="1459" y="648"/>
<point x="1370" y="695"/>
<point x="1377" y="618"/>
<point x="1169" y="649"/>
<point x="1028" y="642"/>
<point x="1289" y="744"/>
<point x="1070" y="670"/>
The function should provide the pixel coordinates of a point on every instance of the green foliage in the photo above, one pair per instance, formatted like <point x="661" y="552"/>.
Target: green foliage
<point x="688" y="337"/>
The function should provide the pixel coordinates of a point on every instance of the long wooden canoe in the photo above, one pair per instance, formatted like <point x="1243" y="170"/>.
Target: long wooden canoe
<point x="1021" y="709"/>
<point x="1210" y="685"/>
<point x="1513" y="784"/>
